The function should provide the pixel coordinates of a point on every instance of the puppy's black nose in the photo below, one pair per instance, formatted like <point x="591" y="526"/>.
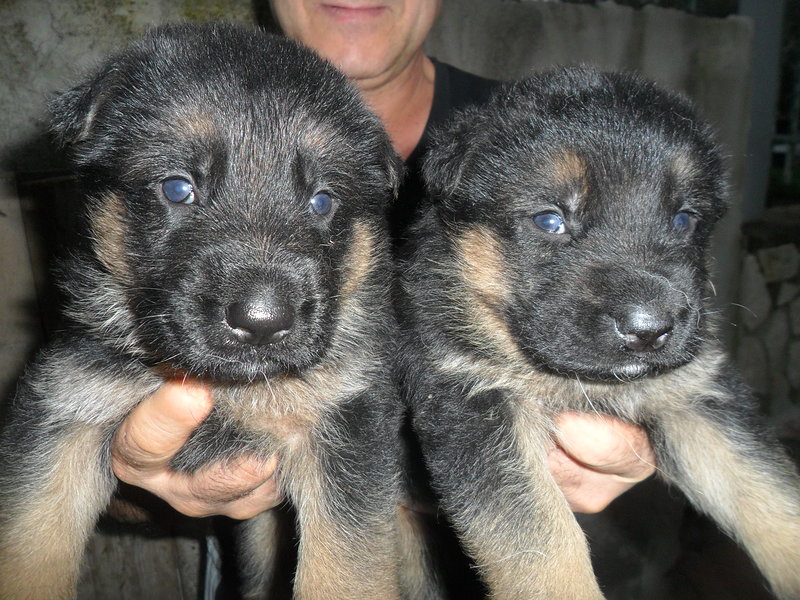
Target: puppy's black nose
<point x="642" y="330"/>
<point x="263" y="318"/>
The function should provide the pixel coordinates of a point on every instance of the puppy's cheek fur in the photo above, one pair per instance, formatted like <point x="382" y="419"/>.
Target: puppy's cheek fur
<point x="109" y="232"/>
<point x="485" y="299"/>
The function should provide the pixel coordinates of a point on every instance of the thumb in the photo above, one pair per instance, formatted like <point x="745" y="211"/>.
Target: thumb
<point x="160" y="425"/>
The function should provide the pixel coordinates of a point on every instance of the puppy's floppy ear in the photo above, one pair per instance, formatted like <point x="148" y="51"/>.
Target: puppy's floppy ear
<point x="72" y="112"/>
<point x="449" y="152"/>
<point x="384" y="168"/>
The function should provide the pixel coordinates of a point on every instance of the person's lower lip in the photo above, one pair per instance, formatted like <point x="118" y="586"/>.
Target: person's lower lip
<point x="342" y="12"/>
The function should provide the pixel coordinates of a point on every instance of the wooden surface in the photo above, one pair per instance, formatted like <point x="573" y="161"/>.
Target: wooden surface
<point x="123" y="565"/>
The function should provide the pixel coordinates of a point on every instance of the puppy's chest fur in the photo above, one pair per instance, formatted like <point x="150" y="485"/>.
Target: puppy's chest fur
<point x="283" y="414"/>
<point x="535" y="393"/>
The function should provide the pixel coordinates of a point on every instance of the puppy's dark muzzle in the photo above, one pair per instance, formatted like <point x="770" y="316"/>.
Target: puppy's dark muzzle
<point x="237" y="317"/>
<point x="264" y="317"/>
<point x="644" y="330"/>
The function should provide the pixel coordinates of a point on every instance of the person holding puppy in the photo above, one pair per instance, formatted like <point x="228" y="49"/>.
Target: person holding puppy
<point x="379" y="46"/>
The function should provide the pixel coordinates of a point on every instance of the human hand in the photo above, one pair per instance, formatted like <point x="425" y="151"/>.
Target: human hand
<point x="597" y="458"/>
<point x="154" y="432"/>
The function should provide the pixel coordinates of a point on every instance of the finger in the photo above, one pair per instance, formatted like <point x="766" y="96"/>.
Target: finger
<point x="607" y="445"/>
<point x="228" y="481"/>
<point x="239" y="491"/>
<point x="264" y="497"/>
<point x="151" y="435"/>
<point x="586" y="490"/>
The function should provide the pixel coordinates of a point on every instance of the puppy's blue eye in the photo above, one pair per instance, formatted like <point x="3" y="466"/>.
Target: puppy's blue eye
<point x="321" y="204"/>
<point x="550" y="222"/>
<point x="684" y="222"/>
<point x="178" y="190"/>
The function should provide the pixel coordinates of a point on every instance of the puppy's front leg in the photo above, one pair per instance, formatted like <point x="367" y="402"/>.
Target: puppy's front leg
<point x="346" y="492"/>
<point x="344" y="561"/>
<point x="739" y="478"/>
<point x="489" y="466"/>
<point x="52" y="491"/>
<point x="262" y="543"/>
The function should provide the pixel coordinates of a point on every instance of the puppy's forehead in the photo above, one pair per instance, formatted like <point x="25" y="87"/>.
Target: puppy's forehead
<point x="567" y="167"/>
<point x="196" y="122"/>
<point x="200" y="104"/>
<point x="683" y="166"/>
<point x="258" y="132"/>
<point x="568" y="171"/>
<point x="615" y="158"/>
<point x="579" y="176"/>
<point x="205" y="122"/>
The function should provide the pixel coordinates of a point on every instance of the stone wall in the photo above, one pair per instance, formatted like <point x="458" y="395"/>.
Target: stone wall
<point x="46" y="45"/>
<point x="768" y="340"/>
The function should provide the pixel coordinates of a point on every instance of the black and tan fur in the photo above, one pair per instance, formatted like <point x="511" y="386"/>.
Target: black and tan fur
<point x="282" y="308"/>
<point x="561" y="264"/>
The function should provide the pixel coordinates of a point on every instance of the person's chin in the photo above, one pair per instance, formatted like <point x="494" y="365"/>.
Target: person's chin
<point x="360" y="62"/>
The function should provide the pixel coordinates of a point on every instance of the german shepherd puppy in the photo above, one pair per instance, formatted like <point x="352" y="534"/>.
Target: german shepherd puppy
<point x="561" y="264"/>
<point x="236" y="187"/>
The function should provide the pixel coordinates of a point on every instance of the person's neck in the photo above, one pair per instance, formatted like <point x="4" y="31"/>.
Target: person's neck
<point x="403" y="102"/>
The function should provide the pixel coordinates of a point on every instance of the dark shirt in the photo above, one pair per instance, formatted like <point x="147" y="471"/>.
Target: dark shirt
<point x="453" y="89"/>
